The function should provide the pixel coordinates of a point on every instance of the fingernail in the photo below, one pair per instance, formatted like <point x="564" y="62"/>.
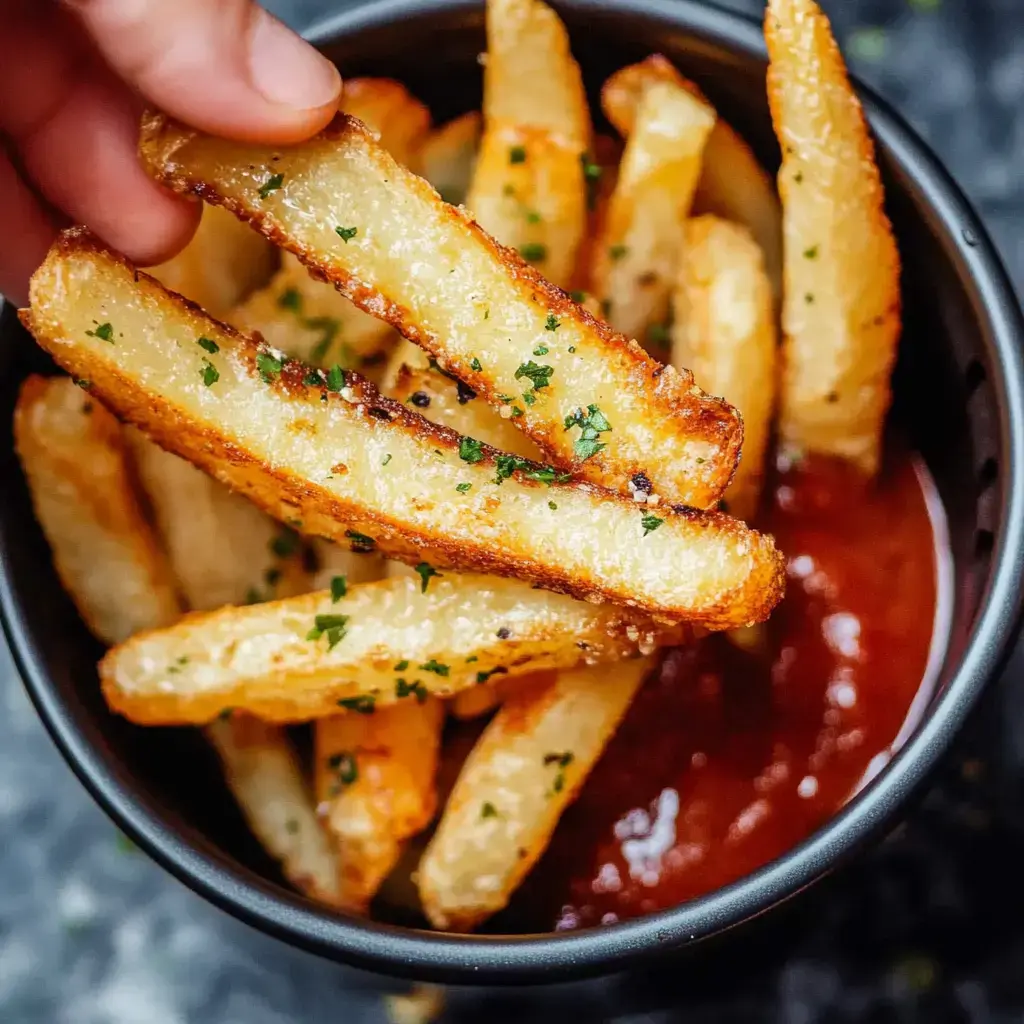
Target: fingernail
<point x="286" y="69"/>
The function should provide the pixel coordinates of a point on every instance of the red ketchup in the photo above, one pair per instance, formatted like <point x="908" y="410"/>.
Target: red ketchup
<point x="730" y="757"/>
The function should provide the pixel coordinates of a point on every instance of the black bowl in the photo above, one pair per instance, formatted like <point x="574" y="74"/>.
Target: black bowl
<point x="959" y="396"/>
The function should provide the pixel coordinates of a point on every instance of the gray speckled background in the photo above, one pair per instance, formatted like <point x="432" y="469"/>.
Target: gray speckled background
<point x="93" y="933"/>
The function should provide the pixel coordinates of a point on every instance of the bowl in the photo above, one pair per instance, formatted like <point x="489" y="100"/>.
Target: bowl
<point x="959" y="397"/>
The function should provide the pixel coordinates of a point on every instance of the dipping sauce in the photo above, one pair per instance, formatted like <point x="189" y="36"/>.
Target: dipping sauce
<point x="730" y="757"/>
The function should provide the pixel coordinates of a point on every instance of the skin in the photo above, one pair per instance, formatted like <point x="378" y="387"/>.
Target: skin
<point x="74" y="78"/>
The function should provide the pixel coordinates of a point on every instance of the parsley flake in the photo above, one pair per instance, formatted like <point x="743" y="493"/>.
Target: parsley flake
<point x="414" y="689"/>
<point x="435" y="667"/>
<point x="269" y="366"/>
<point x="474" y="364"/>
<point x="517" y="155"/>
<point x="616" y="252"/>
<point x="272" y="184"/>
<point x="335" y="378"/>
<point x="539" y="374"/>
<point x="463" y="488"/>
<point x="290" y="298"/>
<point x="346" y="234"/>
<point x="364" y="704"/>
<point x="591" y="423"/>
<point x="208" y="345"/>
<point x="541" y="350"/>
<point x="344" y="765"/>
<point x="402" y="665"/>
<point x="534" y="252"/>
<point x="482" y="677"/>
<point x="552" y="323"/>
<point x="552" y="506"/>
<point x="426" y="572"/>
<point x="105" y="332"/>
<point x="209" y="373"/>
<point x="470" y="450"/>
<point x="488" y="810"/>
<point x="334" y="627"/>
<point x="650" y="522"/>
<point x="361" y="544"/>
<point x="386" y="459"/>
<point x="811" y="253"/>
<point x="339" y="588"/>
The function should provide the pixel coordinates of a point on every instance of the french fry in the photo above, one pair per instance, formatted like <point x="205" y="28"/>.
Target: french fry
<point x="447" y="157"/>
<point x="732" y="185"/>
<point x="375" y="784"/>
<point x="423" y="266"/>
<point x="389" y="109"/>
<point x="352" y="466"/>
<point x="221" y="265"/>
<point x="104" y="550"/>
<point x="724" y="330"/>
<point x="841" y="314"/>
<point x="296" y="659"/>
<point x="525" y="769"/>
<point x="638" y="256"/>
<point x="263" y="773"/>
<point x="223" y="549"/>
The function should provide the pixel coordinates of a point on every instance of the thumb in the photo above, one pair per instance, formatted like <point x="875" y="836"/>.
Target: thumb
<point x="226" y="66"/>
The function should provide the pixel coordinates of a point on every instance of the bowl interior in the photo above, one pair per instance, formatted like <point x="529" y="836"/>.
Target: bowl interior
<point x="957" y="393"/>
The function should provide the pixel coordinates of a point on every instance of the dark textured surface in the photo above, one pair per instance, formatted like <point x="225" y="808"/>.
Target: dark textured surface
<point x="928" y="928"/>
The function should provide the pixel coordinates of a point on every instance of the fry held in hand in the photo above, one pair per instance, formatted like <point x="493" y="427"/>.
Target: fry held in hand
<point x="423" y="266"/>
<point x="841" y="316"/>
<point x="328" y="451"/>
<point x="78" y="473"/>
<point x="382" y="643"/>
<point x="525" y="769"/>
<point x="724" y="330"/>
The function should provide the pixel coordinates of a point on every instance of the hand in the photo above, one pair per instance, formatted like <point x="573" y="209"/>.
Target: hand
<point x="74" y="77"/>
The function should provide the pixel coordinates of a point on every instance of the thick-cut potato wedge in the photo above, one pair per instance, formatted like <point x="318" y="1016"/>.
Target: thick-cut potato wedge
<point x="104" y="550"/>
<point x="525" y="769"/>
<point x="425" y="267"/>
<point x="447" y="157"/>
<point x="221" y="265"/>
<point x="531" y="79"/>
<point x="354" y="466"/>
<point x="463" y="630"/>
<point x="732" y="185"/>
<point x="724" y="330"/>
<point x="529" y="193"/>
<point x="222" y="548"/>
<point x="638" y="256"/>
<point x="375" y="787"/>
<point x="841" y="315"/>
<point x="263" y="773"/>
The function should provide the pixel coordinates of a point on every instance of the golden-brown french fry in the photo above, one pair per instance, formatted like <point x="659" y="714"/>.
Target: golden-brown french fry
<point x="732" y="185"/>
<point x="295" y="659"/>
<point x="724" y="330"/>
<point x="104" y="550"/>
<point x="841" y="314"/>
<point x="447" y="157"/>
<point x="264" y="775"/>
<point x="389" y="109"/>
<point x="638" y="257"/>
<point x="221" y="265"/>
<point x="222" y="548"/>
<point x="531" y="78"/>
<point x="525" y="769"/>
<point x="375" y="787"/>
<point x="423" y="266"/>
<point x="476" y="702"/>
<point x="353" y="466"/>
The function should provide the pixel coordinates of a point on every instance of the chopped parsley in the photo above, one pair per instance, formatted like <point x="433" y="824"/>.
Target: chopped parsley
<point x="529" y="397"/>
<point x="208" y="345"/>
<point x="361" y="544"/>
<point x="272" y="184"/>
<point x="402" y="665"/>
<point x="474" y="364"/>
<point x="591" y="423"/>
<point x="533" y="217"/>
<point x="209" y="373"/>
<point x="292" y="826"/>
<point x="285" y="544"/>
<point x="547" y="475"/>
<point x="517" y="155"/>
<point x="506" y="465"/>
<point x="534" y="252"/>
<point x="470" y="450"/>
<point x="660" y="335"/>
<point x="592" y="173"/>
<point x="811" y="253"/>
<point x="539" y="374"/>
<point x="809" y="298"/>
<point x="290" y="298"/>
<point x="105" y="332"/>
<point x="346" y="234"/>
<point x="482" y="677"/>
<point x="552" y="323"/>
<point x="312" y="379"/>
<point x="344" y="766"/>
<point x="334" y="627"/>
<point x="83" y="383"/>
<point x="541" y="350"/>
<point x="571" y="348"/>
<point x="269" y="366"/>
<point x="552" y="506"/>
<point x="650" y="522"/>
<point x="616" y="252"/>
<point x="415" y="689"/>
<point x="488" y="810"/>
<point x="463" y="488"/>
<point x="335" y="378"/>
<point x="339" y="588"/>
<point x="364" y="704"/>
<point x="386" y="459"/>
<point x="562" y="761"/>
<point x="435" y="667"/>
<point x="426" y="571"/>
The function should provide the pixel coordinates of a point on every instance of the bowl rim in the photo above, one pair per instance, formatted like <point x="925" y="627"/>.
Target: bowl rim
<point x="423" y="955"/>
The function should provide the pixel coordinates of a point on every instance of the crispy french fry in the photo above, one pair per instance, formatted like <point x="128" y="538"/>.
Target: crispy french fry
<point x="426" y="268"/>
<point x="388" y="108"/>
<point x="222" y="548"/>
<point x="295" y="659"/>
<point x="476" y="702"/>
<point x="447" y="157"/>
<point x="841" y="315"/>
<point x="724" y="330"/>
<point x="638" y="256"/>
<point x="525" y="769"/>
<point x="732" y="185"/>
<point x="221" y="265"/>
<point x="375" y="784"/>
<point x="104" y="550"/>
<point x="531" y="78"/>
<point x="356" y="467"/>
<point x="264" y="775"/>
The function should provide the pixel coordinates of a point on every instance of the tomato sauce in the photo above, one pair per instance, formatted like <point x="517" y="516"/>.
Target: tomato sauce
<point x="729" y="757"/>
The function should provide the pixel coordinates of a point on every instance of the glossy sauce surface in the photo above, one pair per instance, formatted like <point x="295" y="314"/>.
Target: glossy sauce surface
<point x="730" y="757"/>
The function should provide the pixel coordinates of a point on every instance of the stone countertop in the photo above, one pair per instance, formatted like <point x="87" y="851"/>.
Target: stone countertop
<point x="929" y="927"/>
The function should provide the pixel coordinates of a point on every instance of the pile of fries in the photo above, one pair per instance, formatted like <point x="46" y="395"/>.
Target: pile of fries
<point x="411" y="477"/>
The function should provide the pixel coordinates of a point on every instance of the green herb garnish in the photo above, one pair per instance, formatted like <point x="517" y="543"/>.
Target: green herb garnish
<point x="269" y="366"/>
<point x="346" y="234"/>
<point x="361" y="544"/>
<point x="474" y="364"/>
<point x="105" y="332"/>
<point x="591" y="423"/>
<point x="539" y="374"/>
<point x="339" y="588"/>
<point x="335" y="378"/>
<point x="517" y="155"/>
<point x="488" y="810"/>
<point x="435" y="667"/>
<point x="272" y="184"/>
<point x="463" y="488"/>
<point x="209" y="373"/>
<point x="650" y="522"/>
<point x="364" y="704"/>
<point x="426" y="571"/>
<point x="534" y="252"/>
<point x="208" y="345"/>
<point x="470" y="450"/>
<point x="482" y="677"/>
<point x="344" y="765"/>
<point x="290" y="298"/>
